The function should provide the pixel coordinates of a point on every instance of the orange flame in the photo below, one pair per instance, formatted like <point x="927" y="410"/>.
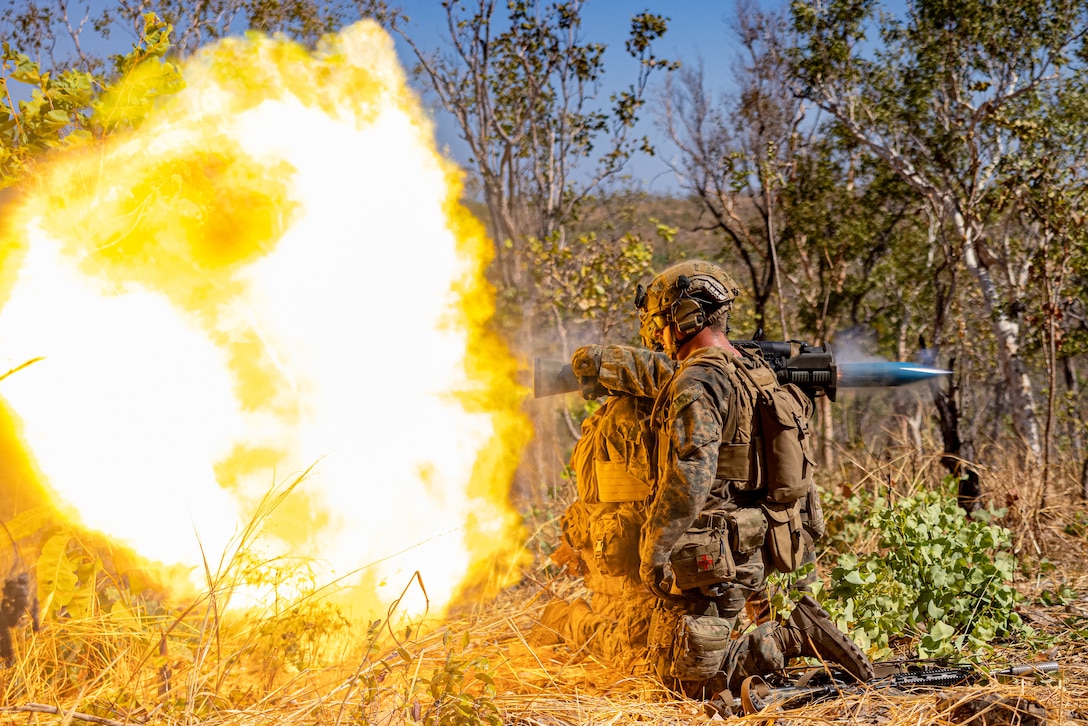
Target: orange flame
<point x="272" y="273"/>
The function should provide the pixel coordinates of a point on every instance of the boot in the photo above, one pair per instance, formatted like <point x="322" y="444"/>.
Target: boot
<point x="757" y="652"/>
<point x="549" y="628"/>
<point x="810" y="632"/>
<point x="561" y="621"/>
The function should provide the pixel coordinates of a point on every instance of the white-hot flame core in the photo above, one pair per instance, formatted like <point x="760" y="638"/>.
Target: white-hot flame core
<point x="137" y="402"/>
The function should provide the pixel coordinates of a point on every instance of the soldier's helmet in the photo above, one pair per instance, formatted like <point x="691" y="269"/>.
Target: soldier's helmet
<point x="692" y="294"/>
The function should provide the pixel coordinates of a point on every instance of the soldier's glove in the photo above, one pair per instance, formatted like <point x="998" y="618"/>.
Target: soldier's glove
<point x="570" y="559"/>
<point x="658" y="578"/>
<point x="586" y="364"/>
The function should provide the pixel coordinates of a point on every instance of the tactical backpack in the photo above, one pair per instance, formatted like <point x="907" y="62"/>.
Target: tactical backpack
<point x="788" y="464"/>
<point x="611" y="466"/>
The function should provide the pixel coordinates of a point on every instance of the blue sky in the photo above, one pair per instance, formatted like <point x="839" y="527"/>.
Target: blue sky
<point x="697" y="29"/>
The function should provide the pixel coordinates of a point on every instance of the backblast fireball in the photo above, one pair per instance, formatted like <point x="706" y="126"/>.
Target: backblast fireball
<point x="272" y="273"/>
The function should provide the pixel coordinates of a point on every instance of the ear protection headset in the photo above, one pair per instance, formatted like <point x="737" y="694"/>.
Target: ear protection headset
<point x="688" y="315"/>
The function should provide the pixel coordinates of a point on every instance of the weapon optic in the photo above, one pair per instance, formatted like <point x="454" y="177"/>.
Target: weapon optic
<point x="812" y="368"/>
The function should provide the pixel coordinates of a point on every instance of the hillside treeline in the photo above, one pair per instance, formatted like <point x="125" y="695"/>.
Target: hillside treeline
<point x="905" y="185"/>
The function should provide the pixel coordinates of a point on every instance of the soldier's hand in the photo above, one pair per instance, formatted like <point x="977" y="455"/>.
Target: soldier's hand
<point x="569" y="558"/>
<point x="586" y="364"/>
<point x="586" y="361"/>
<point x="658" y="578"/>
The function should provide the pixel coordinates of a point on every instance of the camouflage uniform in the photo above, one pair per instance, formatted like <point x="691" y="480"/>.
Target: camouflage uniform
<point x="625" y="370"/>
<point x="703" y="464"/>
<point x="691" y="484"/>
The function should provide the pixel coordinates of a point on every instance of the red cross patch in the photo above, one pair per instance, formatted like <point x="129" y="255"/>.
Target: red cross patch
<point x="705" y="563"/>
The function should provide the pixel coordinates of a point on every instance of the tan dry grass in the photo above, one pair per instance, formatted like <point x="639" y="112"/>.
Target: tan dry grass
<point x="545" y="686"/>
<point x="96" y="672"/>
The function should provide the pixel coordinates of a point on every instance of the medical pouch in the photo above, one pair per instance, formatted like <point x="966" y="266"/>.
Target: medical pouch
<point x="702" y="557"/>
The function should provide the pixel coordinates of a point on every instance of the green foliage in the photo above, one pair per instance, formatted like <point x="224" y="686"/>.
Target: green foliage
<point x="70" y="107"/>
<point x="67" y="577"/>
<point x="935" y="576"/>
<point x="461" y="689"/>
<point x="143" y="78"/>
<point x="585" y="279"/>
<point x="58" y="106"/>
<point x="847" y="520"/>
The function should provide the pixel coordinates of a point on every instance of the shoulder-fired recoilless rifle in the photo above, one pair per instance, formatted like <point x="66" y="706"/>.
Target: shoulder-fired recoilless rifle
<point x="812" y="368"/>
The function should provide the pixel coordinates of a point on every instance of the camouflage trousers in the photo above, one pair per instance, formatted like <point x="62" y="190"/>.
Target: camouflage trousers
<point x="612" y="626"/>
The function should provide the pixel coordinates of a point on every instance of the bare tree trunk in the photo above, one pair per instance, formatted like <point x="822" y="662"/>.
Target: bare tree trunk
<point x="1072" y="384"/>
<point x="958" y="456"/>
<point x="1007" y="333"/>
<point x="826" y="431"/>
<point x="1084" y="480"/>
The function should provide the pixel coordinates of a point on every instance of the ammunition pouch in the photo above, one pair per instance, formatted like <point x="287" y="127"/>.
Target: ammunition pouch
<point x="688" y="647"/>
<point x="747" y="529"/>
<point x="614" y="537"/>
<point x="785" y="546"/>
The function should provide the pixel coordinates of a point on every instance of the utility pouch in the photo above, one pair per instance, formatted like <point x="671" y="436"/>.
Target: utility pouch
<point x="699" y="647"/>
<point x="702" y="556"/>
<point x="812" y="514"/>
<point x="747" y="529"/>
<point x="664" y="622"/>
<point x="785" y="547"/>
<point x="576" y="524"/>
<point x="614" y="535"/>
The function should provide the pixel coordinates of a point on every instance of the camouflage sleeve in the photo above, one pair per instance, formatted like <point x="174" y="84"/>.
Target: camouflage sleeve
<point x="634" y="371"/>
<point x="692" y="434"/>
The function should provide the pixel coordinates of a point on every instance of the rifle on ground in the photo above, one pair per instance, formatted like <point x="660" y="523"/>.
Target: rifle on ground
<point x="757" y="694"/>
<point x="813" y="368"/>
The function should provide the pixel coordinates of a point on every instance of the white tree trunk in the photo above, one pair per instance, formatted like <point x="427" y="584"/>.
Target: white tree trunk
<point x="1007" y="333"/>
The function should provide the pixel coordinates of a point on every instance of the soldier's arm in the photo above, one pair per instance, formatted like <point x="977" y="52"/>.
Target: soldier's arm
<point x="634" y="371"/>
<point x="692" y="434"/>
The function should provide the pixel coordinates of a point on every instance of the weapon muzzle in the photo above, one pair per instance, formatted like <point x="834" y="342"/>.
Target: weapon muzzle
<point x="552" y="377"/>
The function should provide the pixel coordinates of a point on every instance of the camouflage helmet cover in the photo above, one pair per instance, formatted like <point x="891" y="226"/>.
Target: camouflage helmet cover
<point x="687" y="293"/>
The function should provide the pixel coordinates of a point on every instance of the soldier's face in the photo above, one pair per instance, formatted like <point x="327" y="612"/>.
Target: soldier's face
<point x="666" y="338"/>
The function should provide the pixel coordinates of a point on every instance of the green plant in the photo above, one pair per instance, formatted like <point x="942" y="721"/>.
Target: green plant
<point x="462" y="688"/>
<point x="68" y="107"/>
<point x="1062" y="595"/>
<point x="847" y="520"/>
<point x="1078" y="526"/>
<point x="935" y="576"/>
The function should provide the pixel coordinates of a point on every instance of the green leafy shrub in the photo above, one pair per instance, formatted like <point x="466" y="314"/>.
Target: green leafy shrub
<point x="461" y="688"/>
<point x="935" y="576"/>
